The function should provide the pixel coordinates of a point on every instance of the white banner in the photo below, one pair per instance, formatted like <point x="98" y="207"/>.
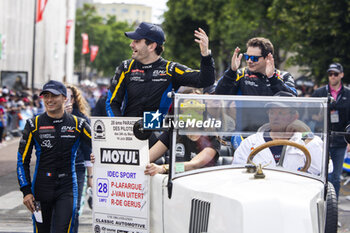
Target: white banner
<point x="120" y="193"/>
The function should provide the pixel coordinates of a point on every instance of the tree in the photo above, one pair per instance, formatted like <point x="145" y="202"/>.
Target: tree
<point x="108" y="35"/>
<point x="228" y="23"/>
<point x="319" y="31"/>
<point x="314" y="32"/>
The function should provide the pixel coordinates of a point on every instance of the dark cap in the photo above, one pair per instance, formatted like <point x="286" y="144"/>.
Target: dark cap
<point x="55" y="87"/>
<point x="335" y="67"/>
<point x="277" y="104"/>
<point x="147" y="31"/>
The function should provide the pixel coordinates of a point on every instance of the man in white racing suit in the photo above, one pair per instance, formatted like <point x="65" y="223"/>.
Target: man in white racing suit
<point x="283" y="124"/>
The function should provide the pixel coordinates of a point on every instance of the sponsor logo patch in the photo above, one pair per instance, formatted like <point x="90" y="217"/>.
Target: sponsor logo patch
<point x="69" y="129"/>
<point x="120" y="156"/>
<point x="99" y="130"/>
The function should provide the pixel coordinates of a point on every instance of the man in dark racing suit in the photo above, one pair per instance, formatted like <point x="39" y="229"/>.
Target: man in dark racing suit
<point x="260" y="77"/>
<point x="55" y="135"/>
<point x="142" y="83"/>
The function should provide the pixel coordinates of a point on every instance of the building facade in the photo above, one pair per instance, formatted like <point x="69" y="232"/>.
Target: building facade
<point x="54" y="59"/>
<point x="131" y="13"/>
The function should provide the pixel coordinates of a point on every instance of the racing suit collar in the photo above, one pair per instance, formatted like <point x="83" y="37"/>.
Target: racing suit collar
<point x="151" y="65"/>
<point x="258" y="74"/>
<point x="56" y="120"/>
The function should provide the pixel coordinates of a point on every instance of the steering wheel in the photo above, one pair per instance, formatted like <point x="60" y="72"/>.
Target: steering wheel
<point x="282" y="143"/>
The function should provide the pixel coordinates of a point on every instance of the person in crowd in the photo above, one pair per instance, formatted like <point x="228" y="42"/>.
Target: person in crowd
<point x="18" y="85"/>
<point x="38" y="103"/>
<point x="339" y="117"/>
<point x="100" y="107"/>
<point x="283" y="125"/>
<point x="78" y="106"/>
<point x="13" y="113"/>
<point x="142" y="83"/>
<point x="260" y="77"/>
<point x="55" y="135"/>
<point x="3" y="118"/>
<point x="26" y="112"/>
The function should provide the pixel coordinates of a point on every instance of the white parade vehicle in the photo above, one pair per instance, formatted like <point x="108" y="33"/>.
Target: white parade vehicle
<point x="256" y="193"/>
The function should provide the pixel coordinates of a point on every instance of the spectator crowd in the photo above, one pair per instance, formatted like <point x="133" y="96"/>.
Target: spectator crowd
<point x="18" y="106"/>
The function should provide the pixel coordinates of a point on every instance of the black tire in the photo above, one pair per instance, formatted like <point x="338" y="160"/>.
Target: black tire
<point x="332" y="210"/>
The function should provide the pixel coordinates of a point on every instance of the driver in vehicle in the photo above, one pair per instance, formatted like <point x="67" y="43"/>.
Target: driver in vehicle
<point x="283" y="125"/>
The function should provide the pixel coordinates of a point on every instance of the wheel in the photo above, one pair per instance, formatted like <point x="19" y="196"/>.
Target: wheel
<point x="282" y="143"/>
<point x="332" y="210"/>
<point x="139" y="132"/>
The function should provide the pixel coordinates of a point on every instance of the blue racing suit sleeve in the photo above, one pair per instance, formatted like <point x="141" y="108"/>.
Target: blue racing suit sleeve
<point x="117" y="89"/>
<point x="24" y="155"/>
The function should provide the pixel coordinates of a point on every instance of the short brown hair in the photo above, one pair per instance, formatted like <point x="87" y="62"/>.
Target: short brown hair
<point x="159" y="49"/>
<point x="263" y="43"/>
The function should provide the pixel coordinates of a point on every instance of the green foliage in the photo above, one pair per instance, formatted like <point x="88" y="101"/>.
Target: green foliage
<point x="228" y="23"/>
<point x="319" y="31"/>
<point x="316" y="32"/>
<point x="109" y="36"/>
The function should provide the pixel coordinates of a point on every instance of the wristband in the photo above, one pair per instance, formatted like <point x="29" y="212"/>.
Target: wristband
<point x="90" y="176"/>
<point x="179" y="167"/>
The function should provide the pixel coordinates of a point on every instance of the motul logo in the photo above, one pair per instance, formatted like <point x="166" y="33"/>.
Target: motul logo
<point x="120" y="156"/>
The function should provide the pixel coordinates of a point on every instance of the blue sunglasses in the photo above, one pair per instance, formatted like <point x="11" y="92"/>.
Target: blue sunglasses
<point x="252" y="58"/>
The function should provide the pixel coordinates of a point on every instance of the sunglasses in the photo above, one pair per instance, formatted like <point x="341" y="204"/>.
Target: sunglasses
<point x="252" y="58"/>
<point x="333" y="74"/>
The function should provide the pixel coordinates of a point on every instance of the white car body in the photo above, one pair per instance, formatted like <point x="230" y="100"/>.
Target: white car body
<point x="238" y="203"/>
<point x="229" y="199"/>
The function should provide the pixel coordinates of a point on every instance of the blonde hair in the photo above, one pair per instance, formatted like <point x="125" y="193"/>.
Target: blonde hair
<point x="79" y="100"/>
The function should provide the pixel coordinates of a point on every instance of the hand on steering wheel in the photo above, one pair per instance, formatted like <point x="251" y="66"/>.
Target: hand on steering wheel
<point x="282" y="143"/>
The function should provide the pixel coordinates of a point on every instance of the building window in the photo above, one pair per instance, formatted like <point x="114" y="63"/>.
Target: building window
<point x="124" y="10"/>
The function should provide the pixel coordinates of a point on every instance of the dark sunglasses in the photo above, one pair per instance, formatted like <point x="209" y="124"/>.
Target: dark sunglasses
<point x="333" y="74"/>
<point x="252" y="58"/>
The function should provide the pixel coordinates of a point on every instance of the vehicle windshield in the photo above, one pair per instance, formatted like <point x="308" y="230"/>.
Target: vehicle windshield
<point x="213" y="131"/>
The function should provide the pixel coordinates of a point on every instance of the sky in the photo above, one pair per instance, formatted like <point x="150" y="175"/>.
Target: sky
<point x="158" y="6"/>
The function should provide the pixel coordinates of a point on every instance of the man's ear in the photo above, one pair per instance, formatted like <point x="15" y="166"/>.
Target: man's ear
<point x="153" y="46"/>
